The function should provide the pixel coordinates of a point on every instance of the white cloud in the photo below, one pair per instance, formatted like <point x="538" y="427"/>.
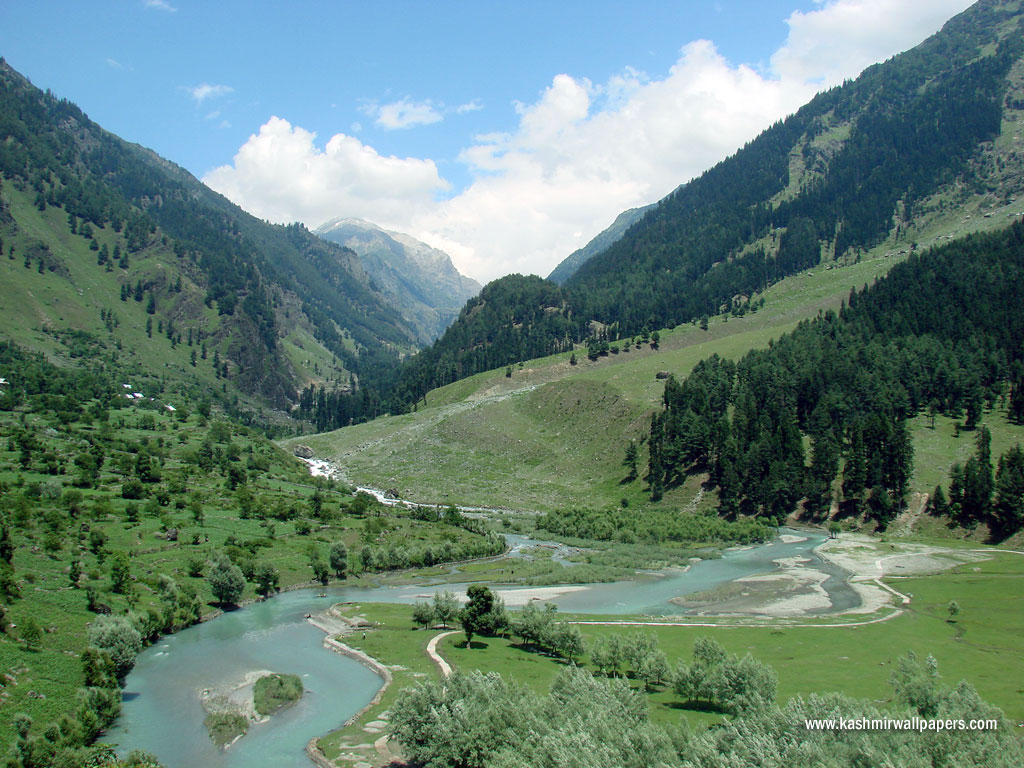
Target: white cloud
<point x="403" y="114"/>
<point x="280" y="174"/>
<point x="470" y="106"/>
<point x="578" y="155"/>
<point x="841" y="39"/>
<point x="160" y="5"/>
<point x="205" y="91"/>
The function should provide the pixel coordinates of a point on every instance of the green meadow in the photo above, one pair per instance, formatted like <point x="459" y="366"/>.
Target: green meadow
<point x="983" y="645"/>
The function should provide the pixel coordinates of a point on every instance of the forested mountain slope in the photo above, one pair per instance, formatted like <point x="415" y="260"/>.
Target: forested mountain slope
<point x="941" y="333"/>
<point x="107" y="217"/>
<point x="859" y="163"/>
<point x="924" y="146"/>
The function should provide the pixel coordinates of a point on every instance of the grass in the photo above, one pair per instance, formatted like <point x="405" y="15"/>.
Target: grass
<point x="936" y="450"/>
<point x="275" y="692"/>
<point x="225" y="727"/>
<point x="984" y="646"/>
<point x="395" y="641"/>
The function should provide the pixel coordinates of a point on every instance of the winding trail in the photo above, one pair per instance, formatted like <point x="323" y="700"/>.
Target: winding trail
<point x="444" y="666"/>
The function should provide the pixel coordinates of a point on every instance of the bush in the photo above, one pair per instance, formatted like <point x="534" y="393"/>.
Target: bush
<point x="116" y="636"/>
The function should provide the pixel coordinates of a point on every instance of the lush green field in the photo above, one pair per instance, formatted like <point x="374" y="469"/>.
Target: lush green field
<point x="984" y="645"/>
<point x="189" y="509"/>
<point x="396" y="643"/>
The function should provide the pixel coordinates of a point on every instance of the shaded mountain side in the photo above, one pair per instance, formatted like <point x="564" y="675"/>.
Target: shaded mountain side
<point x="255" y="276"/>
<point x="419" y="281"/>
<point x="568" y="266"/>
<point x="857" y="164"/>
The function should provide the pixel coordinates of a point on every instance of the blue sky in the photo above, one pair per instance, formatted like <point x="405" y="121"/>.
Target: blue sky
<point x="507" y="133"/>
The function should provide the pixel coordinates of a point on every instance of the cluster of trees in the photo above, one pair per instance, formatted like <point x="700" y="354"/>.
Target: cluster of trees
<point x="939" y="333"/>
<point x="396" y="557"/>
<point x="723" y="681"/>
<point x="113" y="643"/>
<point x="474" y="720"/>
<point x="637" y="653"/>
<point x="481" y="721"/>
<point x="979" y="494"/>
<point x="444" y="609"/>
<point x="777" y="736"/>
<point x="652" y="526"/>
<point x="537" y="628"/>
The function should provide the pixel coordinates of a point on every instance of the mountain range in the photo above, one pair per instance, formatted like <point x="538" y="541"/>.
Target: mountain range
<point x="87" y="219"/>
<point x="924" y="146"/>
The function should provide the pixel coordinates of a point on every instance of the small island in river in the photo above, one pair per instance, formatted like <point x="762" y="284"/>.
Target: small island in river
<point x="231" y="709"/>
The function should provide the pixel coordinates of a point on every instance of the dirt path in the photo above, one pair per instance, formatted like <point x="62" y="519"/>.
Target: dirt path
<point x="442" y="665"/>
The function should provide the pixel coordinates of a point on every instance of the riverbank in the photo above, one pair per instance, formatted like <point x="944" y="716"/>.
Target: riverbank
<point x="336" y="624"/>
<point x="798" y="587"/>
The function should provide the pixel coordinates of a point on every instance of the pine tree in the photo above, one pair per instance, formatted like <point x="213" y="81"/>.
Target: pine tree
<point x="1008" y="509"/>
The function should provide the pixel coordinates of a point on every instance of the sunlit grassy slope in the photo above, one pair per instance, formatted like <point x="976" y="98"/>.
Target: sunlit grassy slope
<point x="554" y="434"/>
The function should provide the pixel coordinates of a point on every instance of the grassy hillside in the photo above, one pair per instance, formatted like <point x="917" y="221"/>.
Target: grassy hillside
<point x="280" y="307"/>
<point x="553" y="434"/>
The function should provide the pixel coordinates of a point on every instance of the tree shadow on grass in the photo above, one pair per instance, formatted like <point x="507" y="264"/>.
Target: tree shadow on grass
<point x="697" y="706"/>
<point x="478" y="644"/>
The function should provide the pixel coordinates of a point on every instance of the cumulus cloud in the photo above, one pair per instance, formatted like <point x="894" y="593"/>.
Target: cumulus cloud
<point x="280" y="174"/>
<point x="205" y="91"/>
<point x="470" y="106"/>
<point x="578" y="155"/>
<point x="841" y="39"/>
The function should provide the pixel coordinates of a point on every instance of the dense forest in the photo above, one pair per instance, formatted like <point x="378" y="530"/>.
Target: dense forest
<point x="941" y="333"/>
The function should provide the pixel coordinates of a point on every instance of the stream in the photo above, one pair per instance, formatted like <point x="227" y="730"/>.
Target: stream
<point x="162" y="713"/>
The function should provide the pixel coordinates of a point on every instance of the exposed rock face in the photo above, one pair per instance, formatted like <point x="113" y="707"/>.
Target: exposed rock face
<point x="421" y="282"/>
<point x="304" y="452"/>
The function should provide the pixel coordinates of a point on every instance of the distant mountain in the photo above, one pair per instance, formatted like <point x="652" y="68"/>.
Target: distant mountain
<point x="567" y="268"/>
<point x="420" y="281"/>
<point x="113" y="248"/>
